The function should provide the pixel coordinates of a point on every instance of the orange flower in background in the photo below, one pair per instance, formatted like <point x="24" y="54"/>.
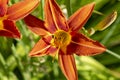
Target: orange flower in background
<point x="62" y="36"/>
<point x="8" y="16"/>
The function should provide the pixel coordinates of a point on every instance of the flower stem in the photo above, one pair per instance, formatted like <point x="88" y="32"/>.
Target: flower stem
<point x="68" y="7"/>
<point x="42" y="6"/>
<point x="19" y="63"/>
<point x="113" y="53"/>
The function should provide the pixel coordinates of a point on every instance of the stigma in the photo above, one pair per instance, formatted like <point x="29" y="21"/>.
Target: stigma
<point x="61" y="39"/>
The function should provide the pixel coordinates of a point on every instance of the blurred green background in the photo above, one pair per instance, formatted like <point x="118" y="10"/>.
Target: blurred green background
<point x="15" y="64"/>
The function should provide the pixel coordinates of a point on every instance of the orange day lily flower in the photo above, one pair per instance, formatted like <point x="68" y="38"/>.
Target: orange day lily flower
<point x="8" y="16"/>
<point x="62" y="36"/>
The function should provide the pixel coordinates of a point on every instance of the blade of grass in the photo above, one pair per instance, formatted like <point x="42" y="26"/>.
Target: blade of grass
<point x="68" y="6"/>
<point x="19" y="63"/>
<point x="3" y="63"/>
<point x="4" y="66"/>
<point x="41" y="10"/>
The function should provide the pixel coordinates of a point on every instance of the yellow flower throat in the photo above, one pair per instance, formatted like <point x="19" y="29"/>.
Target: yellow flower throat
<point x="61" y="39"/>
<point x="1" y="21"/>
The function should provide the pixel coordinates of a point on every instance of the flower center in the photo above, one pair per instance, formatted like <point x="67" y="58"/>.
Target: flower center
<point x="1" y="21"/>
<point x="61" y="39"/>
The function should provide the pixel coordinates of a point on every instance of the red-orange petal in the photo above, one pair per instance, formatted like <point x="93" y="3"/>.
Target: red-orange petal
<point x="9" y="29"/>
<point x="3" y="7"/>
<point x="50" y="51"/>
<point x="53" y="17"/>
<point x="80" y="17"/>
<point x="42" y="47"/>
<point x="68" y="66"/>
<point x="21" y="9"/>
<point x="36" y="25"/>
<point x="81" y="45"/>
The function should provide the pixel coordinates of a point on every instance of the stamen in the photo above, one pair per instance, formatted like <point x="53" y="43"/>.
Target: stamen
<point x="57" y="52"/>
<point x="61" y="38"/>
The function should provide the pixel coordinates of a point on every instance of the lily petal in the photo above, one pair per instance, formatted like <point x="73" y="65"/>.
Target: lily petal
<point x="81" y="45"/>
<point x="49" y="51"/>
<point x="36" y="25"/>
<point x="68" y="67"/>
<point x="42" y="47"/>
<point x="80" y="17"/>
<point x="54" y="17"/>
<point x="9" y="29"/>
<point x="3" y="7"/>
<point x="21" y="9"/>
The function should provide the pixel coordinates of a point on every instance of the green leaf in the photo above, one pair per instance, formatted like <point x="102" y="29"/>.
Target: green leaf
<point x="106" y="22"/>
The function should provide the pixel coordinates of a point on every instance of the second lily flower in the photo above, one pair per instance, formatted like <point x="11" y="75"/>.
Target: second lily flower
<point x="8" y="16"/>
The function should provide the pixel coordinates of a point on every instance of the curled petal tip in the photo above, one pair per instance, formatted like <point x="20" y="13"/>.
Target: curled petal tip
<point x="30" y="55"/>
<point x="39" y="49"/>
<point x="17" y="36"/>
